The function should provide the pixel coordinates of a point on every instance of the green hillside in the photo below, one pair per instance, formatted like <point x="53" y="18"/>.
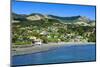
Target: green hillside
<point x="49" y="28"/>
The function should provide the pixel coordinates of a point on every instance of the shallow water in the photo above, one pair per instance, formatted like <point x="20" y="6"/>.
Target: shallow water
<point x="58" y="55"/>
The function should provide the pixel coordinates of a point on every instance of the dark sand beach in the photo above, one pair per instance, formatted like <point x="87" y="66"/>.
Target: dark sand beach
<point x="27" y="49"/>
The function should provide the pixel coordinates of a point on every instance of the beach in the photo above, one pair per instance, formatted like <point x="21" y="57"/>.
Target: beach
<point x="28" y="49"/>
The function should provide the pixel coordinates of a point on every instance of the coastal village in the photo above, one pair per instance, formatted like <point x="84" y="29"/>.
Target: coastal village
<point x="38" y="30"/>
<point x="51" y="33"/>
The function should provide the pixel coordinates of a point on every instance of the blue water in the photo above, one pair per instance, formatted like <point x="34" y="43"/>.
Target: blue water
<point x="58" y="55"/>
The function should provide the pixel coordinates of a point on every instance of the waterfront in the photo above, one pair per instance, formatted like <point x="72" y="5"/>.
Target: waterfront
<point x="62" y="54"/>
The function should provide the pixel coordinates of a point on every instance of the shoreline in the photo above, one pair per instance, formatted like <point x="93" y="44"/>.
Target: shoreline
<point x="44" y="47"/>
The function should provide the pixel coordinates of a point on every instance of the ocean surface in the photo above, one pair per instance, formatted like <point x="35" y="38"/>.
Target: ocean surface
<point x="63" y="54"/>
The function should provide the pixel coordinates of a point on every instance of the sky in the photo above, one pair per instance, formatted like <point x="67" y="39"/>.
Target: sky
<point x="63" y="10"/>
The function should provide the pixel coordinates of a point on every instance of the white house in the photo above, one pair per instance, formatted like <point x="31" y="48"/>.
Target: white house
<point x="37" y="42"/>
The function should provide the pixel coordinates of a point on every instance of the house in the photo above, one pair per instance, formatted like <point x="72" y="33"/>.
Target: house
<point x="78" y="38"/>
<point x="44" y="33"/>
<point x="37" y="42"/>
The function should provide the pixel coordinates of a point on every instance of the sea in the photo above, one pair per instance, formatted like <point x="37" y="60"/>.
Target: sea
<point x="63" y="54"/>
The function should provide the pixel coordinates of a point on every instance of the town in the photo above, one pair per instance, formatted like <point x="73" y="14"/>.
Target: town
<point x="37" y="29"/>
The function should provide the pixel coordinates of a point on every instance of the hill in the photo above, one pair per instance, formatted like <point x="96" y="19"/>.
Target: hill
<point x="50" y="28"/>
